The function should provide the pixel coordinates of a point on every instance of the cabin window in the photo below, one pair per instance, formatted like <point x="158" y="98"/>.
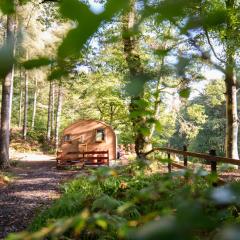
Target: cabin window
<point x="67" y="138"/>
<point x="100" y="135"/>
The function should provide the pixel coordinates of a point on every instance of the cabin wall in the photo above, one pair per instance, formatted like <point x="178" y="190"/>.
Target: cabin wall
<point x="87" y="131"/>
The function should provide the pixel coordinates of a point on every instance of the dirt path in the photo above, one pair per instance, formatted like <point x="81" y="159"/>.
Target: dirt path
<point x="36" y="185"/>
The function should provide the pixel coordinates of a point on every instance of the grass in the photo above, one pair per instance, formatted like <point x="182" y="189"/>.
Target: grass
<point x="134" y="203"/>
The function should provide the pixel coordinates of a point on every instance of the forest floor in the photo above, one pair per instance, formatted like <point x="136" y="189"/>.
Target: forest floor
<point x="36" y="184"/>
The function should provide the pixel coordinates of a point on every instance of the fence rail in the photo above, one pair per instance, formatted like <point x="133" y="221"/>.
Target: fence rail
<point x="210" y="158"/>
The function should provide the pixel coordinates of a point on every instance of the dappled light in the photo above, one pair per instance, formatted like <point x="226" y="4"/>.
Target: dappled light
<point x="119" y="119"/>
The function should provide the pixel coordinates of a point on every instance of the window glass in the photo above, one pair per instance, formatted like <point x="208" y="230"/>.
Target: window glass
<point x="67" y="138"/>
<point x="100" y="135"/>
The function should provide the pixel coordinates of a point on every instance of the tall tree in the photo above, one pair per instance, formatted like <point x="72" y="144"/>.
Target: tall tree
<point x="58" y="114"/>
<point x="50" y="108"/>
<point x="34" y="103"/>
<point x="6" y="95"/>
<point x="53" y="111"/>
<point x="231" y="85"/>
<point x="136" y="75"/>
<point x="20" y="99"/>
<point x="25" y="115"/>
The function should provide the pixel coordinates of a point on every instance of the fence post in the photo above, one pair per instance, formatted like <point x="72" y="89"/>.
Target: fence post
<point x="212" y="152"/>
<point x="185" y="158"/>
<point x="169" y="163"/>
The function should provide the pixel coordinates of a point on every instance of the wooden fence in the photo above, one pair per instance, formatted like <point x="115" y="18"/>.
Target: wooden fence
<point x="83" y="158"/>
<point x="210" y="158"/>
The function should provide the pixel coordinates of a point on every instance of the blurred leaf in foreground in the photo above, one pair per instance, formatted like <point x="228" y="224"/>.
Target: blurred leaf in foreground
<point x="35" y="63"/>
<point x="6" y="60"/>
<point x="7" y="6"/>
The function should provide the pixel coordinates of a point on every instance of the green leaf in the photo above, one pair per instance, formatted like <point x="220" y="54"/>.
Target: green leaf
<point x="35" y="63"/>
<point x="158" y="126"/>
<point x="142" y="103"/>
<point x="6" y="60"/>
<point x="75" y="10"/>
<point x="135" y="114"/>
<point x="162" y="52"/>
<point x="144" y="130"/>
<point x="57" y="74"/>
<point x="102" y="223"/>
<point x="88" y="23"/>
<point x="7" y="6"/>
<point x="185" y="93"/>
<point x="112" y="7"/>
<point x="212" y="19"/>
<point x="135" y="85"/>
<point x="106" y="203"/>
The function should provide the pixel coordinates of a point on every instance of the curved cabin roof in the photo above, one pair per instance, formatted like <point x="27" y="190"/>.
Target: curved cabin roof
<point x="84" y="121"/>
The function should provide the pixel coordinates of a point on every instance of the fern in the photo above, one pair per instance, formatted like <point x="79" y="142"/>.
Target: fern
<point x="106" y="203"/>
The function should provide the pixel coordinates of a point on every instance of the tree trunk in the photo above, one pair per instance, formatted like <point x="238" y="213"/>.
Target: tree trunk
<point x="136" y="75"/>
<point x="20" y="100"/>
<point x="25" y="116"/>
<point x="157" y="105"/>
<point x="6" y="92"/>
<point x="58" y="115"/>
<point x="53" y="113"/>
<point x="49" y="112"/>
<point x="34" y="103"/>
<point x="232" y="121"/>
<point x="11" y="96"/>
<point x="231" y="141"/>
<point x="231" y="111"/>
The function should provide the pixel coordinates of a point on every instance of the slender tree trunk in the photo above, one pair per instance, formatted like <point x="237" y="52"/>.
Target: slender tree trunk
<point x="11" y="96"/>
<point x="13" y="73"/>
<point x="111" y="114"/>
<point x="49" y="112"/>
<point x="157" y="103"/>
<point x="35" y="103"/>
<point x="53" y="113"/>
<point x="25" y="116"/>
<point x="20" y="100"/>
<point x="58" y="115"/>
<point x="6" y="92"/>
<point x="157" y="106"/>
<point x="231" y="142"/>
<point x="136" y="75"/>
<point x="231" y="112"/>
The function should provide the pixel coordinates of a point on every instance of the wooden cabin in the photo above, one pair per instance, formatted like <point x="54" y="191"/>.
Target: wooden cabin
<point x="88" y="142"/>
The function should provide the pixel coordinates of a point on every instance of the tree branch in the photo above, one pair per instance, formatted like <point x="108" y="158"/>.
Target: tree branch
<point x="212" y="48"/>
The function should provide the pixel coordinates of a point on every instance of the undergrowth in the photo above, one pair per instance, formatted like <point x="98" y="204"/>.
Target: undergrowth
<point x="132" y="203"/>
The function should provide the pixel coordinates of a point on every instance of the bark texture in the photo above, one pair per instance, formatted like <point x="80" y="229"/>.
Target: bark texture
<point x="34" y="103"/>
<point x="20" y="100"/>
<point x="231" y="141"/>
<point x="11" y="95"/>
<point x="50" y="105"/>
<point x="58" y="115"/>
<point x="6" y="95"/>
<point x="136" y="74"/>
<point x="53" y="112"/>
<point x="25" y="116"/>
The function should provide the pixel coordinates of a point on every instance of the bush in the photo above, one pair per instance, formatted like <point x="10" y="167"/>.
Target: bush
<point x="127" y="203"/>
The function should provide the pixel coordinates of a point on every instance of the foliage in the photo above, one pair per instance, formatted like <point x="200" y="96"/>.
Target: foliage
<point x="170" y="43"/>
<point x="128" y="204"/>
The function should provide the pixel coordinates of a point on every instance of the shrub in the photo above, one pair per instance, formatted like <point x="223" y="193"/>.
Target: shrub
<point x="126" y="203"/>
